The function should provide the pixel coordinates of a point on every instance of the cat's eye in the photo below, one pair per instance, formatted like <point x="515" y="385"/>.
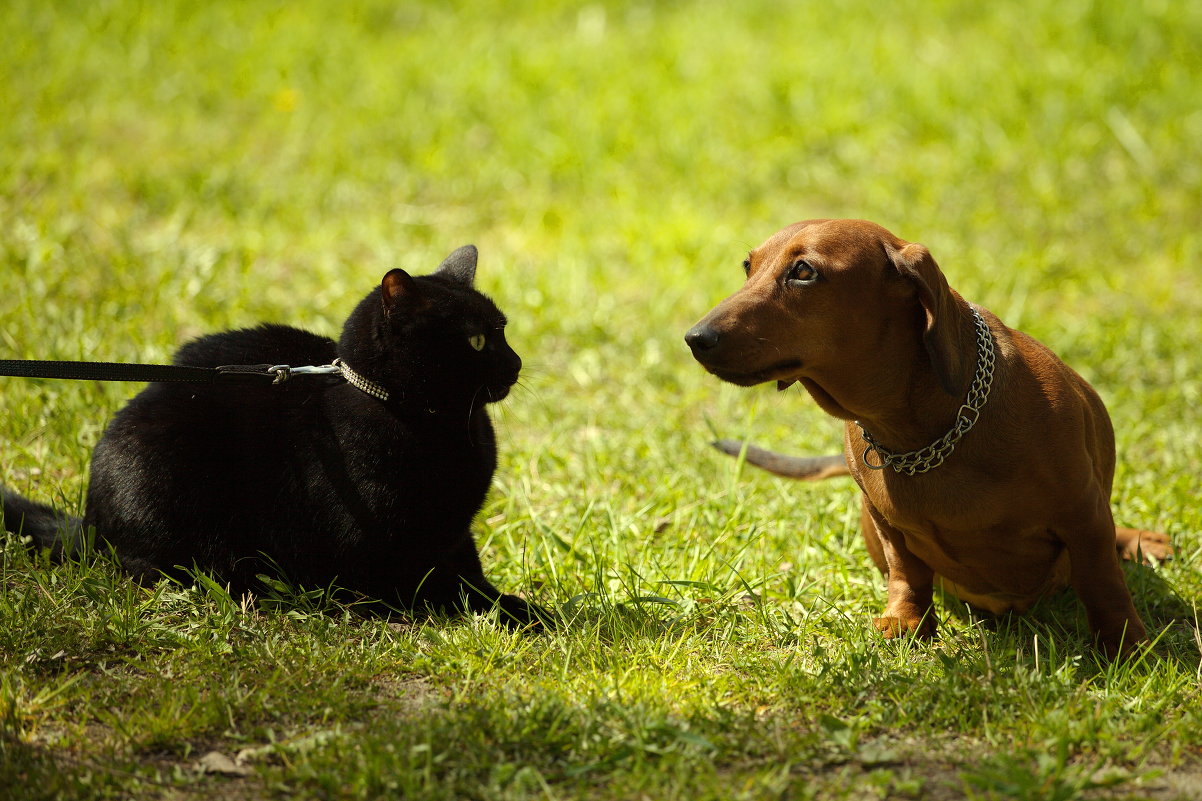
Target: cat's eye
<point x="477" y="341"/>
<point x="746" y="266"/>
<point x="801" y="272"/>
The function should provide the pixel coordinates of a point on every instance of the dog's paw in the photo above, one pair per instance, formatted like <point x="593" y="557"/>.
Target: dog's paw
<point x="1123" y="648"/>
<point x="1123" y="641"/>
<point x="892" y="627"/>
<point x="1144" y="546"/>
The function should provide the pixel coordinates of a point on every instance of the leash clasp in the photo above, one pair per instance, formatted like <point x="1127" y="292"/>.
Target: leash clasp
<point x="283" y="372"/>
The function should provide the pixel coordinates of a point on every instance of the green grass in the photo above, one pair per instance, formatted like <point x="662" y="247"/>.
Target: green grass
<point x="169" y="169"/>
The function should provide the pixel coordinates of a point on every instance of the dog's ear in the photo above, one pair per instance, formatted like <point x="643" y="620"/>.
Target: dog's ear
<point x="396" y="288"/>
<point x="943" y="326"/>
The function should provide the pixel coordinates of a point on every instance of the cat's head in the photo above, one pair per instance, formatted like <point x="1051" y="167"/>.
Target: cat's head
<point x="433" y="339"/>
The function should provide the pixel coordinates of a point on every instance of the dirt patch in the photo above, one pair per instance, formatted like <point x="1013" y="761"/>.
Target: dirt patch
<point x="945" y="768"/>
<point x="408" y="695"/>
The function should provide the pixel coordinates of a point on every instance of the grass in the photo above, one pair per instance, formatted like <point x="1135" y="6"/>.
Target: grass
<point x="174" y="168"/>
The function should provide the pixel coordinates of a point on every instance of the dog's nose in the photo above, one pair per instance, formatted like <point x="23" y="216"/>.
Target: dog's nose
<point x="701" y="338"/>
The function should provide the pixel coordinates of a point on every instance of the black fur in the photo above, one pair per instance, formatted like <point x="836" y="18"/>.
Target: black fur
<point x="333" y="485"/>
<point x="46" y="527"/>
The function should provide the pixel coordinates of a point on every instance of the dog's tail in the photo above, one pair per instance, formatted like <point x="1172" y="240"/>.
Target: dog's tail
<point x="46" y="527"/>
<point x="806" y="468"/>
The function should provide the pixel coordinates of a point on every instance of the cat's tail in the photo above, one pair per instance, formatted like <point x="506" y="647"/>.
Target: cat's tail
<point x="806" y="468"/>
<point x="44" y="526"/>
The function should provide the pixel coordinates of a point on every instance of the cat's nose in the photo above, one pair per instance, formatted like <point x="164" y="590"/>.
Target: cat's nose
<point x="701" y="338"/>
<point x="510" y="370"/>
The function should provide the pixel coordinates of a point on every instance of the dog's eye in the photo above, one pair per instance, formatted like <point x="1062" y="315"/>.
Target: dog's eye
<point x="802" y="272"/>
<point x="477" y="341"/>
<point x="746" y="266"/>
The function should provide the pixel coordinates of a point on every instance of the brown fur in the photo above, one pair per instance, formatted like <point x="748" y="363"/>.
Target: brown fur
<point x="1021" y="507"/>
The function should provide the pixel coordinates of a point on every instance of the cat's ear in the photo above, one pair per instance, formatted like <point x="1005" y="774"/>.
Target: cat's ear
<point x="398" y="286"/>
<point x="460" y="266"/>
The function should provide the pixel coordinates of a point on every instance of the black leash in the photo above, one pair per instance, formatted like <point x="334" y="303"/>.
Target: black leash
<point x="110" y="371"/>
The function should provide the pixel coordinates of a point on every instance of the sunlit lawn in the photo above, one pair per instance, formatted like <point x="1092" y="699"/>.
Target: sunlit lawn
<point x="169" y="169"/>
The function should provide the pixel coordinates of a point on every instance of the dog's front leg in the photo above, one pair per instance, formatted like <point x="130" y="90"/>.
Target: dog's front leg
<point x="909" y="607"/>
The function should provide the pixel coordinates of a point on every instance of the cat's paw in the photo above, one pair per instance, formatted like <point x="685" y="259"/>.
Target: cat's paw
<point x="517" y="613"/>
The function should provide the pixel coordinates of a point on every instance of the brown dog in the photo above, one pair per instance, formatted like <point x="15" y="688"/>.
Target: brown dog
<point x="983" y="460"/>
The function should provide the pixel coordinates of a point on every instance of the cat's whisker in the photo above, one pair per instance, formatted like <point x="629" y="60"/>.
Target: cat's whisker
<point x="471" y="407"/>
<point x="527" y="389"/>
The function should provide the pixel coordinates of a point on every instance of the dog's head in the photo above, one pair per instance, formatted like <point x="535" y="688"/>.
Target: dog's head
<point x="829" y="296"/>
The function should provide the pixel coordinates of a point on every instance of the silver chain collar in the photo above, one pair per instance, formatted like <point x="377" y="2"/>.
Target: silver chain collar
<point x="359" y="382"/>
<point x="920" y="461"/>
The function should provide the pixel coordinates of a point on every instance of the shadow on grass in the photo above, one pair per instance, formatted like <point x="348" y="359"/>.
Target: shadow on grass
<point x="1060" y="618"/>
<point x="32" y="773"/>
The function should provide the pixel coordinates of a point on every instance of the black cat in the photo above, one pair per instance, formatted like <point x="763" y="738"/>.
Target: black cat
<point x="369" y="483"/>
